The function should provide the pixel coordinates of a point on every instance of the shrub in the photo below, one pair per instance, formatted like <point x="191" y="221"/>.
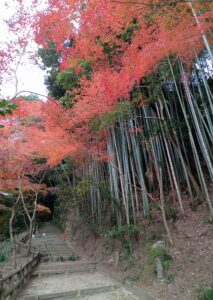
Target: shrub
<point x="159" y="252"/>
<point x="73" y="257"/>
<point x="120" y="231"/>
<point x="5" y="251"/>
<point x="2" y="257"/>
<point x="205" y="293"/>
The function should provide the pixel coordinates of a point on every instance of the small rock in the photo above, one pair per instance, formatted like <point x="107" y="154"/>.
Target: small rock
<point x="204" y="231"/>
<point x="159" y="269"/>
<point x="158" y="244"/>
<point x="116" y="259"/>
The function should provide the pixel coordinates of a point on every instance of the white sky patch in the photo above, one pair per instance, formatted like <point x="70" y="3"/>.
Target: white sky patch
<point x="30" y="76"/>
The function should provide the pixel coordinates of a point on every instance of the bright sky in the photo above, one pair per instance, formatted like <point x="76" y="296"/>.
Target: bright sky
<point x="30" y="76"/>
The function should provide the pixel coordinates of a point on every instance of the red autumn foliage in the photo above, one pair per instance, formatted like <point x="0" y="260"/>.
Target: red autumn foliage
<point x="168" y="30"/>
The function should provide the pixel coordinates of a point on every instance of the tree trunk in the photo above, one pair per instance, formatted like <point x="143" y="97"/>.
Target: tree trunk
<point x="11" y="233"/>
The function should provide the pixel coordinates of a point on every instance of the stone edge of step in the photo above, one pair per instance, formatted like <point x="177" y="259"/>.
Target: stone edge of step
<point x="74" y="293"/>
<point x="65" y="271"/>
<point x="137" y="291"/>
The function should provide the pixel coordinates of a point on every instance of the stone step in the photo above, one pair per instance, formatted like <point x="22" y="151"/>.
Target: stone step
<point x="50" y="243"/>
<point x="41" y="243"/>
<point x="62" y="268"/>
<point x="65" y="251"/>
<point x="65" y="283"/>
<point x="49" y="249"/>
<point x="46" y="240"/>
<point x="55" y="258"/>
<point x="117" y="294"/>
<point x="73" y="294"/>
<point x="58" y="249"/>
<point x="52" y="250"/>
<point x="54" y="247"/>
<point x="60" y="253"/>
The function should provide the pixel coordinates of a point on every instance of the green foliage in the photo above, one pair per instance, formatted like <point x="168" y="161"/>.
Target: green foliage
<point x="59" y="83"/>
<point x="67" y="101"/>
<point x="50" y="57"/>
<point x="121" y="231"/>
<point x="64" y="197"/>
<point x="2" y="257"/>
<point x="63" y="202"/>
<point x="51" y="177"/>
<point x="30" y="97"/>
<point x="208" y="221"/>
<point x="133" y="278"/>
<point x="40" y="160"/>
<point x="122" y="111"/>
<point x="73" y="257"/>
<point x="18" y="224"/>
<point x="5" y="204"/>
<point x="105" y="217"/>
<point x="159" y="252"/>
<point x="107" y="48"/>
<point x="128" y="33"/>
<point x="87" y="68"/>
<point x="83" y="187"/>
<point x="67" y="80"/>
<point x="167" y="126"/>
<point x="171" y="212"/>
<point x="5" y="250"/>
<point x="205" y="292"/>
<point x="110" y="49"/>
<point x="4" y="224"/>
<point x="159" y="82"/>
<point x="53" y="87"/>
<point x="51" y="60"/>
<point x="6" y="108"/>
<point x="154" y="236"/>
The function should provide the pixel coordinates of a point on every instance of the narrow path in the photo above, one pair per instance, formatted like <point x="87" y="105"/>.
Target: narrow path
<point x="51" y="244"/>
<point x="59" y="278"/>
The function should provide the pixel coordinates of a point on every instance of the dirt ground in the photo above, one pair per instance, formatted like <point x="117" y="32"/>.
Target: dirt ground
<point x="192" y="259"/>
<point x="191" y="256"/>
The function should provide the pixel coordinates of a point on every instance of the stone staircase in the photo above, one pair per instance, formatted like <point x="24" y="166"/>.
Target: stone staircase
<point x="52" y="248"/>
<point x="59" y="278"/>
<point x="51" y="244"/>
<point x="73" y="280"/>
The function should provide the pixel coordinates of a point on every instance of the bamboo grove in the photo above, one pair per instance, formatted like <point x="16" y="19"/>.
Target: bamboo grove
<point x="160" y="152"/>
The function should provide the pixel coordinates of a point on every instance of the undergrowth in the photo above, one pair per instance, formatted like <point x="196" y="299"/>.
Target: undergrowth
<point x="205" y="292"/>
<point x="159" y="252"/>
<point x="121" y="231"/>
<point x="4" y="251"/>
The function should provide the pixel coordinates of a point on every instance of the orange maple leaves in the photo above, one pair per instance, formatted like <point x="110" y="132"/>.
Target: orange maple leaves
<point x="162" y="29"/>
<point x="25" y="138"/>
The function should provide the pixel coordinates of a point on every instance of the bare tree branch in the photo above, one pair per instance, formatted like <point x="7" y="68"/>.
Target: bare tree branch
<point x="35" y="93"/>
